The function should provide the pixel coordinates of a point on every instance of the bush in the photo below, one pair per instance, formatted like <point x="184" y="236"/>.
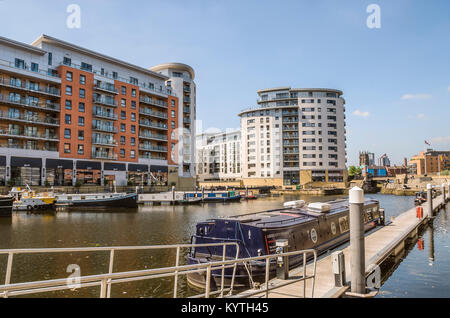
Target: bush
<point x="46" y="183"/>
<point x="77" y="184"/>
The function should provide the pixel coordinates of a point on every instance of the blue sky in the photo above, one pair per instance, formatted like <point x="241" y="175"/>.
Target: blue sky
<point x="396" y="79"/>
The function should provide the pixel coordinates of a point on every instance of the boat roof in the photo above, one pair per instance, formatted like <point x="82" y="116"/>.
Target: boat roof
<point x="290" y="216"/>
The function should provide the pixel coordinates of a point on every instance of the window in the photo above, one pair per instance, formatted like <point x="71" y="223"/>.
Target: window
<point x="69" y="76"/>
<point x="69" y="90"/>
<point x="68" y="119"/>
<point x="123" y="115"/>
<point x="122" y="140"/>
<point x="67" y="133"/>
<point x="172" y="102"/>
<point x="172" y="124"/>
<point x="132" y="153"/>
<point x="133" y="116"/>
<point x="66" y="148"/>
<point x="81" y="121"/>
<point x="50" y="58"/>
<point x="123" y="102"/>
<point x="34" y="67"/>
<point x="133" y="104"/>
<point x="81" y="107"/>
<point x="19" y="63"/>
<point x="173" y="114"/>
<point x="133" y="92"/>
<point x="80" y="134"/>
<point x="122" y="152"/>
<point x="133" y="141"/>
<point x="134" y="80"/>
<point x="124" y="90"/>
<point x="82" y="93"/>
<point x="86" y="67"/>
<point x="133" y="129"/>
<point x="67" y="61"/>
<point x="82" y="79"/>
<point x="115" y="75"/>
<point x="80" y="149"/>
<point x="122" y="127"/>
<point x="68" y="104"/>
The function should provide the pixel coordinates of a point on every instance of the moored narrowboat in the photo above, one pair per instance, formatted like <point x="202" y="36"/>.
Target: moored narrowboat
<point x="6" y="205"/>
<point x="97" y="200"/>
<point x="319" y="226"/>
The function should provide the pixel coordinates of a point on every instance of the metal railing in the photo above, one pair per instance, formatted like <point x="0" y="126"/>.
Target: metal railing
<point x="105" y="281"/>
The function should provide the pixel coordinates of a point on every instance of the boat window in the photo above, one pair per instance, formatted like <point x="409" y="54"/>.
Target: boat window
<point x="83" y="197"/>
<point x="69" y="198"/>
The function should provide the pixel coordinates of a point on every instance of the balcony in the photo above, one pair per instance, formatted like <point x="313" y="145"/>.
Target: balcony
<point x="23" y="86"/>
<point x="149" y="112"/>
<point x="105" y="102"/>
<point x="187" y="110"/>
<point x="104" y="142"/>
<point x="103" y="155"/>
<point x="24" y="118"/>
<point x="152" y="148"/>
<point x="186" y="120"/>
<point x="186" y="89"/>
<point x="51" y="74"/>
<point x="153" y="136"/>
<point x="149" y="156"/>
<point x="154" y="102"/>
<point x="105" y="128"/>
<point x="28" y="147"/>
<point x="147" y="123"/>
<point x="24" y="102"/>
<point x="106" y="87"/>
<point x="105" y="115"/>
<point x="18" y="133"/>
<point x="187" y="100"/>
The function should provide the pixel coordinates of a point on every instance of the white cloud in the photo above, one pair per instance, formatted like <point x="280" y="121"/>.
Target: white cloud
<point x="421" y="116"/>
<point x="360" y="113"/>
<point x="416" y="96"/>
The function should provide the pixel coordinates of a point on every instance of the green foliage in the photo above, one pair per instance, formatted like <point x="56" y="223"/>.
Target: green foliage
<point x="77" y="184"/>
<point x="445" y="173"/>
<point x="46" y="183"/>
<point x="354" y="171"/>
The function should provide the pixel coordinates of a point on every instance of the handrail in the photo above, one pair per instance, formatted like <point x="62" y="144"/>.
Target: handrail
<point x="104" y="280"/>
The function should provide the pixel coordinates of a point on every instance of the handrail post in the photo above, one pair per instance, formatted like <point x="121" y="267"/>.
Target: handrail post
<point x="103" y="288"/>
<point x="111" y="266"/>
<point x="175" y="287"/>
<point x="208" y="281"/>
<point x="267" y="276"/>
<point x="8" y="271"/>
<point x="304" y="274"/>
<point x="222" y="284"/>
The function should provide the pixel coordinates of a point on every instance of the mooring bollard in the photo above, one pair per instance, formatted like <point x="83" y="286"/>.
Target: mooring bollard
<point x="430" y="200"/>
<point x="443" y="190"/>
<point x="173" y="193"/>
<point x="357" y="250"/>
<point x="338" y="262"/>
<point x="282" y="246"/>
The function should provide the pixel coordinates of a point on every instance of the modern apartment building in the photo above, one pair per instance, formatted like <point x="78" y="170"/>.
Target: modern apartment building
<point x="295" y="137"/>
<point x="71" y="114"/>
<point x="430" y="162"/>
<point x="181" y="82"/>
<point x="219" y="156"/>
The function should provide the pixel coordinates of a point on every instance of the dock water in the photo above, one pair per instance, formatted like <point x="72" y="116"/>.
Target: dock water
<point x="379" y="245"/>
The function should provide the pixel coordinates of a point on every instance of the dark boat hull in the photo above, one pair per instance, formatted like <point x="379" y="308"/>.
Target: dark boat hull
<point x="228" y="199"/>
<point x="127" y="201"/>
<point x="6" y="206"/>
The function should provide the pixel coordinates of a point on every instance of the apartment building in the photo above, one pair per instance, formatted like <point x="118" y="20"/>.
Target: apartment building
<point x="219" y="156"/>
<point x="296" y="136"/>
<point x="181" y="82"/>
<point x="430" y="162"/>
<point x="70" y="114"/>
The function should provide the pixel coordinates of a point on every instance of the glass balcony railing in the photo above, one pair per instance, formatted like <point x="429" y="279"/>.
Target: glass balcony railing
<point x="149" y="112"/>
<point x="106" y="87"/>
<point x="27" y="86"/>
<point x="150" y="124"/>
<point x="152" y="148"/>
<point x="149" y="135"/>
<point x="106" y="128"/>
<point x="105" y="114"/>
<point x="154" y="102"/>
<point x="29" y="119"/>
<point x="26" y="102"/>
<point x="20" y="133"/>
<point x="106" y="101"/>
<point x="29" y="147"/>
<point x="104" y="155"/>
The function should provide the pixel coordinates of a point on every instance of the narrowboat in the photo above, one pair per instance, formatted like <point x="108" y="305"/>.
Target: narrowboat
<point x="221" y="196"/>
<point x="6" y="205"/>
<point x="100" y="200"/>
<point x="320" y="226"/>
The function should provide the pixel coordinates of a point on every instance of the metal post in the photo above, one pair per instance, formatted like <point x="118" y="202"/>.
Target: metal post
<point x="111" y="266"/>
<point x="357" y="249"/>
<point x="448" y="191"/>
<point x="282" y="261"/>
<point x="173" y="193"/>
<point x="208" y="281"/>
<point x="175" y="286"/>
<point x="430" y="200"/>
<point x="431" y="244"/>
<point x="203" y="193"/>
<point x="443" y="191"/>
<point x="246" y="192"/>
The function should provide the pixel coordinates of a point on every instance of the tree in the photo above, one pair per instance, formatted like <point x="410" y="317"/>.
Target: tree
<point x="354" y="171"/>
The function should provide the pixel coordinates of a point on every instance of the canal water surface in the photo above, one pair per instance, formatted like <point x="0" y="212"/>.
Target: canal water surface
<point x="416" y="276"/>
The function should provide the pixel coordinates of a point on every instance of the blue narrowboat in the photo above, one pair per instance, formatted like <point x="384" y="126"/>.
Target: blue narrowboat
<point x="305" y="227"/>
